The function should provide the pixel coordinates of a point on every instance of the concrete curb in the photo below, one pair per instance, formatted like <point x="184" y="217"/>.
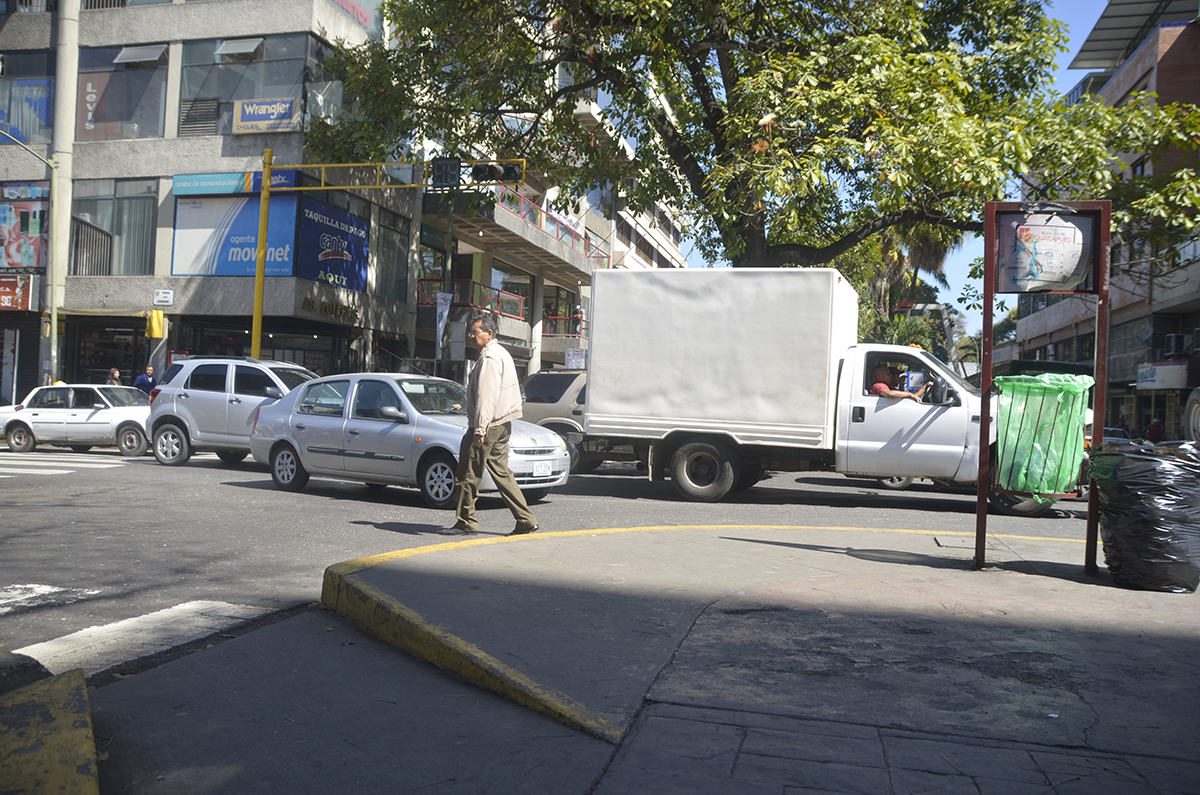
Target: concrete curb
<point x="46" y="740"/>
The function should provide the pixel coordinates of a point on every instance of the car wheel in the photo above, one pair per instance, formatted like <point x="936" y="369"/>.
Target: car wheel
<point x="896" y="484"/>
<point x="20" y="438"/>
<point x="1012" y="505"/>
<point x="436" y="480"/>
<point x="535" y="495"/>
<point x="81" y="448"/>
<point x="286" y="470"/>
<point x="131" y="441"/>
<point x="171" y="446"/>
<point x="231" y="456"/>
<point x="703" y="471"/>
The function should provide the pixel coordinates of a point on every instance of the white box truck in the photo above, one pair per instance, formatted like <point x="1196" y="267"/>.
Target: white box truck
<point x="724" y="374"/>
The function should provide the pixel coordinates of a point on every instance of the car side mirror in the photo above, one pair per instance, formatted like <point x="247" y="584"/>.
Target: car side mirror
<point x="272" y="392"/>
<point x="950" y="398"/>
<point x="393" y="413"/>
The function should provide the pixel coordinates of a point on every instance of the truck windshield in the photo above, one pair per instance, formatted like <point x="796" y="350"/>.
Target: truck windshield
<point x="959" y="381"/>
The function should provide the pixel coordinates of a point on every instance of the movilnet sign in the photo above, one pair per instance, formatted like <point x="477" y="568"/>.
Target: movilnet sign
<point x="265" y="115"/>
<point x="218" y="236"/>
<point x="16" y="293"/>
<point x="333" y="246"/>
<point x="226" y="183"/>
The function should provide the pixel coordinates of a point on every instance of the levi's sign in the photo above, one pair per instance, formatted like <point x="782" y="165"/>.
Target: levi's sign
<point x="265" y="115"/>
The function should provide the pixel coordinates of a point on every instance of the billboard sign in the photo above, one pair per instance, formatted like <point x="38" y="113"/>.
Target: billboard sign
<point x="16" y="293"/>
<point x="218" y="236"/>
<point x="24" y="222"/>
<point x="1042" y="251"/>
<point x="333" y="246"/>
<point x="265" y="115"/>
<point x="232" y="182"/>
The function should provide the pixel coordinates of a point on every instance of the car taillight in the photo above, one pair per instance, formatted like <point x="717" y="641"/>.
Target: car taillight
<point x="154" y="393"/>
<point x="255" y="423"/>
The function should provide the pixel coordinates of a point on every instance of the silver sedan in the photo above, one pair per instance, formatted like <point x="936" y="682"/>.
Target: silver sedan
<point x="386" y="429"/>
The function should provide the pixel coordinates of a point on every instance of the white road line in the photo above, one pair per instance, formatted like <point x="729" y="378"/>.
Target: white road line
<point x="97" y="649"/>
<point x="15" y="597"/>
<point x="37" y="471"/>
<point x="76" y="464"/>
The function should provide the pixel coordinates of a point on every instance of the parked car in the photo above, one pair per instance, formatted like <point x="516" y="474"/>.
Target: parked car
<point x="555" y="399"/>
<point x="385" y="429"/>
<point x="208" y="403"/>
<point x="79" y="416"/>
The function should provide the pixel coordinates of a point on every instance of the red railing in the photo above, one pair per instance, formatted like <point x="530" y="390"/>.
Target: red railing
<point x="564" y="327"/>
<point x="474" y="294"/>
<point x="523" y="208"/>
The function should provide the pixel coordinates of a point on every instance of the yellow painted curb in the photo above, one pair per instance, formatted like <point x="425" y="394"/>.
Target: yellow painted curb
<point x="46" y="741"/>
<point x="377" y="613"/>
<point x="387" y="619"/>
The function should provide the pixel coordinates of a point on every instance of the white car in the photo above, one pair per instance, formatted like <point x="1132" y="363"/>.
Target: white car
<point x="79" y="416"/>
<point x="386" y="429"/>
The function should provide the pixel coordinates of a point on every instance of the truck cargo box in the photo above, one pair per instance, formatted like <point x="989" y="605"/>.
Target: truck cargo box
<point x="751" y="353"/>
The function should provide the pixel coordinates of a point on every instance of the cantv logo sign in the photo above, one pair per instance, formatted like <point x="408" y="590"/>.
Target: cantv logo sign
<point x="332" y="246"/>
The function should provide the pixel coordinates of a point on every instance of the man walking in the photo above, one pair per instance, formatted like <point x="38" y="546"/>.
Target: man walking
<point x="146" y="381"/>
<point x="493" y="402"/>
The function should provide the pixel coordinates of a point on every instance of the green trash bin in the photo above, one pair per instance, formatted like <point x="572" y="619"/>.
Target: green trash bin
<point x="1039" y="435"/>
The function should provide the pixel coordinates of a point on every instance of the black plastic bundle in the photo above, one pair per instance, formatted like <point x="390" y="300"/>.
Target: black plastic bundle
<point x="1150" y="514"/>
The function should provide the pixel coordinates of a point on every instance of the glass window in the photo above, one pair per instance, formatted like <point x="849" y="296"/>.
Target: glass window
<point x="293" y="377"/>
<point x="171" y="372"/>
<point x="125" y="396"/>
<point x="52" y="398"/>
<point x="127" y="210"/>
<point x="86" y="398"/>
<point x="208" y="378"/>
<point x="511" y="280"/>
<point x="218" y="71"/>
<point x="27" y="96"/>
<point x="547" y="387"/>
<point x="435" y="397"/>
<point x="391" y="263"/>
<point x="371" y="397"/>
<point x="122" y="92"/>
<point x="325" y="400"/>
<point x="250" y="381"/>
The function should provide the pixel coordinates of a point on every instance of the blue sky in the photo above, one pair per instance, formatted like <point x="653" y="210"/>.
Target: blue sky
<point x="1080" y="16"/>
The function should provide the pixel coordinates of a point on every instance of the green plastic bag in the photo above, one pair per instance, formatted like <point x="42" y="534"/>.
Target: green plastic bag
<point x="1040" y="430"/>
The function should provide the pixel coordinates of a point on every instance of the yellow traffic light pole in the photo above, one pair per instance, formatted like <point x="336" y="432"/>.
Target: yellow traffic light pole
<point x="260" y="266"/>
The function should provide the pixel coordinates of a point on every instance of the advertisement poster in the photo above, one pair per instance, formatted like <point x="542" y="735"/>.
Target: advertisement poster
<point x="218" y="236"/>
<point x="333" y="246"/>
<point x="16" y="293"/>
<point x="265" y="115"/>
<point x="24" y="224"/>
<point x="1042" y="252"/>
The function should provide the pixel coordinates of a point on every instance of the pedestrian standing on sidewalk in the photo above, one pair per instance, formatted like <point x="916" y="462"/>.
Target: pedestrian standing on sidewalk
<point x="493" y="402"/>
<point x="114" y="377"/>
<point x="146" y="381"/>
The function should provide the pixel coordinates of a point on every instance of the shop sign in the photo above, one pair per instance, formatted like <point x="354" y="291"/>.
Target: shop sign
<point x="367" y="18"/>
<point x="333" y="246"/>
<point x="342" y="312"/>
<point x="16" y="292"/>
<point x="218" y="236"/>
<point x="1162" y="375"/>
<point x="1042" y="251"/>
<point x="24" y="217"/>
<point x="231" y="182"/>
<point x="265" y="115"/>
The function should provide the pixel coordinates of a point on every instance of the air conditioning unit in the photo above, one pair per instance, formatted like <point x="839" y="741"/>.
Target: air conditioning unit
<point x="1175" y="344"/>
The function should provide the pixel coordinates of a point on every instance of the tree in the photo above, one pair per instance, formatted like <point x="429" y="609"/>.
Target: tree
<point x="788" y="133"/>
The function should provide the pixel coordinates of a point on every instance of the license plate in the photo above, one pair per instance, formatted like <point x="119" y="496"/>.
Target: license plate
<point x="541" y="469"/>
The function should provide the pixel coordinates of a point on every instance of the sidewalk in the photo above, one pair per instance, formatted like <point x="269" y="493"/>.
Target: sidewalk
<point x="693" y="660"/>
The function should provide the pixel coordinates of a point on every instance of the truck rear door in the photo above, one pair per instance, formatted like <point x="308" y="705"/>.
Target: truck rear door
<point x="887" y="436"/>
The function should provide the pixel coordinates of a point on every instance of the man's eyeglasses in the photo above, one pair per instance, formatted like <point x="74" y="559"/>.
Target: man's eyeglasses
<point x="476" y="332"/>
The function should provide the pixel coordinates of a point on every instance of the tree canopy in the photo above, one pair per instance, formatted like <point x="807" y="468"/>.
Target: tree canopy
<point x="785" y="132"/>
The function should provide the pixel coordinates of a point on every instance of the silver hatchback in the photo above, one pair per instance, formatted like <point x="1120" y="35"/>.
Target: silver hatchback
<point x="386" y="429"/>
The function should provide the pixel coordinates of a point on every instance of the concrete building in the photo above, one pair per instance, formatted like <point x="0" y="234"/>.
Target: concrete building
<point x="157" y="122"/>
<point x="1154" y="333"/>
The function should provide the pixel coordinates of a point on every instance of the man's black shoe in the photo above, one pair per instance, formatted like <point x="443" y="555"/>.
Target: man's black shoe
<point x="517" y="531"/>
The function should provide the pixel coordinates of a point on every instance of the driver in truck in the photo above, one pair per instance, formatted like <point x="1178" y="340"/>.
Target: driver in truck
<point x="885" y="384"/>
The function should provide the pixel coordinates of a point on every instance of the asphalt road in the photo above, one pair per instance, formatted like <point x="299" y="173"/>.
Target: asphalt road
<point x="96" y="538"/>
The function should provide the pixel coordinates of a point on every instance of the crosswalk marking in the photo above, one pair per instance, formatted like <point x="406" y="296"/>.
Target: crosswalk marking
<point x="11" y="472"/>
<point x="56" y="462"/>
<point x="50" y="462"/>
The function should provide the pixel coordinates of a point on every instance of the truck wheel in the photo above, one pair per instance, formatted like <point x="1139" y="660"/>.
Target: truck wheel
<point x="750" y="475"/>
<point x="897" y="483"/>
<point x="586" y="465"/>
<point x="1012" y="505"/>
<point x="703" y="472"/>
<point x="1191" y="416"/>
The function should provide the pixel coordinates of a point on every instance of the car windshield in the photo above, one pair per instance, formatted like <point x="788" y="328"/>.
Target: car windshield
<point x="435" y="397"/>
<point x="962" y="383"/>
<point x="293" y="377"/>
<point x="122" y="396"/>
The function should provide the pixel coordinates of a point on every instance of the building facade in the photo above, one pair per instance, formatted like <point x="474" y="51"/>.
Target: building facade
<point x="1154" y="332"/>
